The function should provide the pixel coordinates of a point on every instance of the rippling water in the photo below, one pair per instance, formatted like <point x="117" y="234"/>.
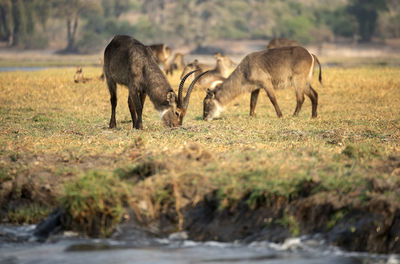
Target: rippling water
<point x="17" y="245"/>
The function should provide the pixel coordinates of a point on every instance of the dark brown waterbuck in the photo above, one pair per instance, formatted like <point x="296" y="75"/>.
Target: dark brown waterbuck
<point x="268" y="70"/>
<point x="130" y="63"/>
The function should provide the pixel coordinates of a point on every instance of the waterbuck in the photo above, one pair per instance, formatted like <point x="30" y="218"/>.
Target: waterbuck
<point x="196" y="65"/>
<point x="79" y="77"/>
<point x="227" y="65"/>
<point x="130" y="63"/>
<point x="269" y="70"/>
<point x="176" y="64"/>
<point x="282" y="42"/>
<point x="162" y="54"/>
<point x="216" y="75"/>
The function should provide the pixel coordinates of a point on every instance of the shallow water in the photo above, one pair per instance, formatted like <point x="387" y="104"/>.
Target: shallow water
<point x="17" y="245"/>
<point x="27" y="68"/>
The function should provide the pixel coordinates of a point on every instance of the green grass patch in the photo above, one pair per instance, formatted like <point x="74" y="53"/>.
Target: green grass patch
<point x="28" y="214"/>
<point x="94" y="203"/>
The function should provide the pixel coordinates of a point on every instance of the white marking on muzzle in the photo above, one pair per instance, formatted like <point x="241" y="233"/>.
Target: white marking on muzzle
<point x="215" y="83"/>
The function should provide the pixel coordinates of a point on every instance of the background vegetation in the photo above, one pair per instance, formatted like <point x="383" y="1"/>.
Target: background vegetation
<point x="85" y="26"/>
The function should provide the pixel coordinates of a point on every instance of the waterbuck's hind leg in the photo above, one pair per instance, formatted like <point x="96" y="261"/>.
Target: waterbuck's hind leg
<point x="112" y="88"/>
<point x="299" y="102"/>
<point x="253" y="101"/>
<point x="313" y="95"/>
<point x="272" y="98"/>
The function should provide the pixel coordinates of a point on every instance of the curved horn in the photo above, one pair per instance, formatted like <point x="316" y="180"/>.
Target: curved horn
<point x="180" y="90"/>
<point x="189" y="91"/>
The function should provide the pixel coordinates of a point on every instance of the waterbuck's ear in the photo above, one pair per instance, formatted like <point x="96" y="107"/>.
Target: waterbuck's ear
<point x="171" y="98"/>
<point x="210" y="94"/>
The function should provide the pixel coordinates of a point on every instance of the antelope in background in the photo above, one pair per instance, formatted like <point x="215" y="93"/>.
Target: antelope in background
<point x="282" y="42"/>
<point x="196" y="65"/>
<point x="268" y="70"/>
<point x="214" y="76"/>
<point x="79" y="77"/>
<point x="128" y="62"/>
<point x="176" y="64"/>
<point x="227" y="65"/>
<point x="162" y="54"/>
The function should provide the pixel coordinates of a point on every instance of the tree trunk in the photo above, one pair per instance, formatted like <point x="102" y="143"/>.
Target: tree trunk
<point x="72" y="27"/>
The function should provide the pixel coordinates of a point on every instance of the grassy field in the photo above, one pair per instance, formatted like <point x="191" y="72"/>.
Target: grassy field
<point x="56" y="148"/>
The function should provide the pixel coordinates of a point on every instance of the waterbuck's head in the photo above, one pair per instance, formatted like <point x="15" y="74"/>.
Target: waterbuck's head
<point x="78" y="74"/>
<point x="211" y="107"/>
<point x="190" y="67"/>
<point x="174" y="114"/>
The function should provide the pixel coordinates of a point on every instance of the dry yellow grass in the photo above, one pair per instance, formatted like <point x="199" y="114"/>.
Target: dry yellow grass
<point x="53" y="130"/>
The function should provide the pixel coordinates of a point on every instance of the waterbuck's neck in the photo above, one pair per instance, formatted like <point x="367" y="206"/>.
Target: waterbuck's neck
<point x="157" y="87"/>
<point x="232" y="87"/>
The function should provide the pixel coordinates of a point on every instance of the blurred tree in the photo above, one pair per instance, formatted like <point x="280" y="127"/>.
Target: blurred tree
<point x="115" y="8"/>
<point x="338" y="20"/>
<point x="6" y="23"/>
<point x="19" y="21"/>
<point x="366" y="12"/>
<point x="42" y="10"/>
<point x="72" y="11"/>
<point x="390" y="21"/>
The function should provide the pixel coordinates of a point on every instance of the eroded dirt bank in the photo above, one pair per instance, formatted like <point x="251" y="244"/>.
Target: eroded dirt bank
<point x="163" y="201"/>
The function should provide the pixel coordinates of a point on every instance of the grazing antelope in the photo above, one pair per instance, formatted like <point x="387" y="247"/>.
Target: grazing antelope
<point x="282" y="42"/>
<point x="162" y="54"/>
<point x="217" y="75"/>
<point x="79" y="77"/>
<point x="268" y="70"/>
<point x="176" y="64"/>
<point x="227" y="65"/>
<point x="196" y="65"/>
<point x="130" y="63"/>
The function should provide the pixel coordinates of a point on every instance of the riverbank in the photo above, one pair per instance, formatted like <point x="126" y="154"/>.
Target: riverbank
<point x="234" y="178"/>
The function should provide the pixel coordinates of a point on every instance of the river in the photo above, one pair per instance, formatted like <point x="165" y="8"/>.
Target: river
<point x="19" y="246"/>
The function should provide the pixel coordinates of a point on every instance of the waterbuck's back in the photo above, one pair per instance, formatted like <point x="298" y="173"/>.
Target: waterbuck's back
<point x="281" y="66"/>
<point x="125" y="58"/>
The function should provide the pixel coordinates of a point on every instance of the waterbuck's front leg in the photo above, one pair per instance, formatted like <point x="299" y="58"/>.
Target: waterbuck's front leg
<point x="272" y="98"/>
<point x="253" y="101"/>
<point x="132" y="107"/>
<point x="112" y="87"/>
<point x="132" y="110"/>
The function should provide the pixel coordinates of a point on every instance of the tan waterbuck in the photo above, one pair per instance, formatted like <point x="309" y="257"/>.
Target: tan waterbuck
<point x="268" y="70"/>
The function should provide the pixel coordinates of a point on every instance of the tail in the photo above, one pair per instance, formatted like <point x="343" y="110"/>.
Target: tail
<point x="320" y="69"/>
